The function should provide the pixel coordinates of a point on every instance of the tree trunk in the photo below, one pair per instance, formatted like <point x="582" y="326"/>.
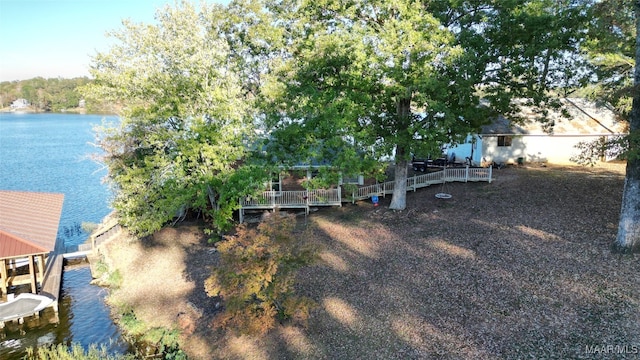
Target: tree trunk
<point x="399" y="198"/>
<point x="628" y="239"/>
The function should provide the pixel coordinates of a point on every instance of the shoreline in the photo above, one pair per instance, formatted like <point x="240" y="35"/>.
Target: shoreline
<point x="74" y="111"/>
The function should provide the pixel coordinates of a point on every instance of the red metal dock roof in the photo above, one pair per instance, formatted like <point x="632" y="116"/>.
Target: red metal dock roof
<point x="28" y="222"/>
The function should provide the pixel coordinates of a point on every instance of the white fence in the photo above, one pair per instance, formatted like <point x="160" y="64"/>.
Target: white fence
<point x="292" y="200"/>
<point x="464" y="174"/>
<point x="333" y="197"/>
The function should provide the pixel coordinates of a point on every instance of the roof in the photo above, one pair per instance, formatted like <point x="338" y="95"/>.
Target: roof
<point x="586" y="119"/>
<point x="13" y="246"/>
<point x="28" y="222"/>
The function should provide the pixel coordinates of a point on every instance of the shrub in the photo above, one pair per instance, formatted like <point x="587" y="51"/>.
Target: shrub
<point x="256" y="276"/>
<point x="88" y="227"/>
<point x="74" y="352"/>
<point x="150" y="342"/>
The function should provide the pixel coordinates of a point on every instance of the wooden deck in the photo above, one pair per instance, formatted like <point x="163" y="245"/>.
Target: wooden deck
<point x="270" y="200"/>
<point x="305" y="199"/>
<point x="53" y="275"/>
<point x="54" y="267"/>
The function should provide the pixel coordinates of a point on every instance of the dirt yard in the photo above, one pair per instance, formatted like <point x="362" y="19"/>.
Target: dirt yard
<point x="518" y="268"/>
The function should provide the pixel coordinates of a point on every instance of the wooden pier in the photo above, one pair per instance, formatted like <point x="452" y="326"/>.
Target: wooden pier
<point x="53" y="275"/>
<point x="55" y="265"/>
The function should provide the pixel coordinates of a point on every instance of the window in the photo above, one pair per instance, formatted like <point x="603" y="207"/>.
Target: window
<point x="274" y="184"/>
<point x="504" y="140"/>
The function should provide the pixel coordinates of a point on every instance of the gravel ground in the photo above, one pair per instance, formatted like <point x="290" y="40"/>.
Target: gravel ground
<point x="519" y="268"/>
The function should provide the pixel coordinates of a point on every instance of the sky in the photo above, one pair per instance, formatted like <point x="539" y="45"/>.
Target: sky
<point x="56" y="38"/>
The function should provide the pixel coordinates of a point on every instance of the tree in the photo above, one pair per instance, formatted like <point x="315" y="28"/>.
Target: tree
<point x="371" y="79"/>
<point x="611" y="49"/>
<point x="613" y="43"/>
<point x="256" y="274"/>
<point x="628" y="238"/>
<point x="184" y="120"/>
<point x="359" y="73"/>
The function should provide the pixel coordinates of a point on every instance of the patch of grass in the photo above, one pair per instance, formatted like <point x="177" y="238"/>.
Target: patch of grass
<point x="88" y="227"/>
<point x="99" y="269"/>
<point x="73" y="352"/>
<point x="131" y="325"/>
<point x="154" y="342"/>
<point x="164" y="342"/>
<point x="114" y="279"/>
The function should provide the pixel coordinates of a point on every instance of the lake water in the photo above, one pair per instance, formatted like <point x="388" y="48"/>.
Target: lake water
<point x="51" y="153"/>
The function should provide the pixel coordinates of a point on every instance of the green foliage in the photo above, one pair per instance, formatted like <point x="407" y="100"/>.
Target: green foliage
<point x="611" y="51"/>
<point x="88" y="227"/>
<point x="625" y="147"/>
<point x="256" y="276"/>
<point x="151" y="342"/>
<point x="100" y="268"/>
<point x="246" y="180"/>
<point x="131" y="325"/>
<point x="347" y="84"/>
<point x="73" y="352"/>
<point x="349" y="190"/>
<point x="185" y="122"/>
<point x="611" y="48"/>
<point x="114" y="279"/>
<point x="323" y="178"/>
<point x="370" y="79"/>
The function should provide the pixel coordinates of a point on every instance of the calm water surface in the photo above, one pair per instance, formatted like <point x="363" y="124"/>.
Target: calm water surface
<point x="51" y="153"/>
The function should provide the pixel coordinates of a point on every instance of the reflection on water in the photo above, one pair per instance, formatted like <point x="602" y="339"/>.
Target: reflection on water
<point x="84" y="319"/>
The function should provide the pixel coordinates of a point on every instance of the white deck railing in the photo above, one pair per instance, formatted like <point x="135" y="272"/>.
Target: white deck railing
<point x="333" y="197"/>
<point x="419" y="181"/>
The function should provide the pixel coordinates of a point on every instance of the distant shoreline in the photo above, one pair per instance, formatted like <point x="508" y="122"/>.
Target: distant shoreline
<point x="30" y="110"/>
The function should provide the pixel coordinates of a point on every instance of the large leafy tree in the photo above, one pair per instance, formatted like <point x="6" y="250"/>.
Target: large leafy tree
<point x="613" y="48"/>
<point x="370" y="79"/>
<point x="185" y="119"/>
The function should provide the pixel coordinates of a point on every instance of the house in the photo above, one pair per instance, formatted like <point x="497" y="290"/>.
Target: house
<point x="507" y="142"/>
<point x="20" y="104"/>
<point x="28" y="232"/>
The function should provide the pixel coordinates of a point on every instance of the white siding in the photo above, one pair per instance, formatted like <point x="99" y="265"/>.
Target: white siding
<point x="462" y="151"/>
<point x="533" y="148"/>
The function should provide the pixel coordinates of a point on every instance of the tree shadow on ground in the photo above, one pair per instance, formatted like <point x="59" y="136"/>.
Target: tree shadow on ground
<point x="517" y="268"/>
<point x="512" y="269"/>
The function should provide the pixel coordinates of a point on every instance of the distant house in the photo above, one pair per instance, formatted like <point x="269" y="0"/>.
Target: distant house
<point x="20" y="104"/>
<point x="28" y="231"/>
<point x="506" y="142"/>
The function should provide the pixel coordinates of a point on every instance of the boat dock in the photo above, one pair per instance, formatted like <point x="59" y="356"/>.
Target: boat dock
<point x="27" y="304"/>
